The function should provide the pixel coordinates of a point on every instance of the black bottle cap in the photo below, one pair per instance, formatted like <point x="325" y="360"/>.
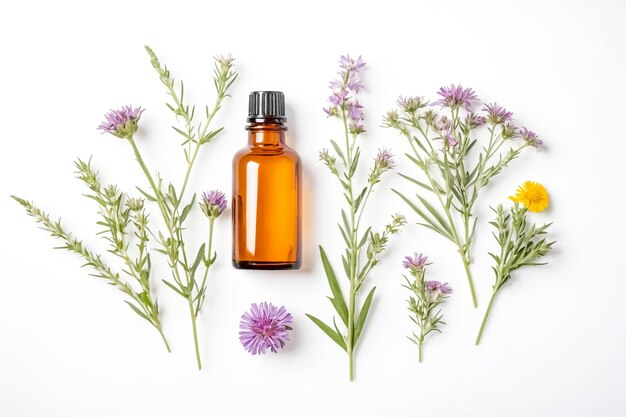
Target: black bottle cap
<point x="264" y="105"/>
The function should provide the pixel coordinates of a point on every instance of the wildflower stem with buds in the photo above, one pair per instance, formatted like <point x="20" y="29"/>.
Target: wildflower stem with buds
<point x="427" y="295"/>
<point x="361" y="246"/>
<point x="169" y="200"/>
<point x="441" y="145"/>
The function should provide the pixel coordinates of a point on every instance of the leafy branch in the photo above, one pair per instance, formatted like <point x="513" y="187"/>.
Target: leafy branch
<point x="139" y="302"/>
<point x="520" y="245"/>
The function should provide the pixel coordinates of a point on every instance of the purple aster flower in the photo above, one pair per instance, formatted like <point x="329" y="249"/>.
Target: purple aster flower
<point x="497" y="114"/>
<point x="456" y="96"/>
<point x="415" y="263"/>
<point x="121" y="123"/>
<point x="264" y="327"/>
<point x="530" y="137"/>
<point x="213" y="203"/>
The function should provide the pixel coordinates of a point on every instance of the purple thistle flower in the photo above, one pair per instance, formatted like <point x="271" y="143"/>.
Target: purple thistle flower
<point x="456" y="96"/>
<point x="530" y="137"/>
<point x="213" y="203"/>
<point x="121" y="123"/>
<point x="384" y="159"/>
<point x="497" y="114"/>
<point x="264" y="327"/>
<point x="415" y="263"/>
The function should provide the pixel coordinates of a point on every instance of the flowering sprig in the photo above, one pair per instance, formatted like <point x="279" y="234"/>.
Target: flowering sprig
<point x="363" y="248"/>
<point x="170" y="199"/>
<point x="441" y="144"/>
<point x="264" y="327"/>
<point x="520" y="243"/>
<point x="116" y="219"/>
<point x="427" y="296"/>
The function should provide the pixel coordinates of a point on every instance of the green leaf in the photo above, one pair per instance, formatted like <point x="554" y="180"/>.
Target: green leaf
<point x="340" y="304"/>
<point x="199" y="258"/>
<point x="358" y="200"/>
<point x="436" y="214"/>
<point x="187" y="209"/>
<point x="431" y="222"/>
<point x="330" y="332"/>
<point x="136" y="310"/>
<point x="338" y="150"/>
<point x="338" y="308"/>
<point x="169" y="284"/>
<point x="210" y="136"/>
<point x="363" y="315"/>
<point x="145" y="194"/>
<point x="414" y="181"/>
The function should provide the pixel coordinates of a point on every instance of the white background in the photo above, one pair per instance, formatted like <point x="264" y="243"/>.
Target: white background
<point x="555" y="343"/>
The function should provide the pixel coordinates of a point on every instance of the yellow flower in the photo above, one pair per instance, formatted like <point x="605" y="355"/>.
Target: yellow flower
<point x="533" y="195"/>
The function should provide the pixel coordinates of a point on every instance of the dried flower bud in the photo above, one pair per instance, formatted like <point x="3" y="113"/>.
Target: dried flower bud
<point x="135" y="204"/>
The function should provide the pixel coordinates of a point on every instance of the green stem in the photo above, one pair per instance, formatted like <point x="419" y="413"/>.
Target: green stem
<point x="157" y="191"/>
<point x="208" y="257"/>
<point x="167" y="345"/>
<point x="466" y="263"/>
<point x="455" y="234"/>
<point x="421" y="343"/>
<point x="353" y="253"/>
<point x="195" y="333"/>
<point x="482" y="326"/>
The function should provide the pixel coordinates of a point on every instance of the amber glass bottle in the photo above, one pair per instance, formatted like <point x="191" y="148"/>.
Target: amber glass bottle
<point x="266" y="190"/>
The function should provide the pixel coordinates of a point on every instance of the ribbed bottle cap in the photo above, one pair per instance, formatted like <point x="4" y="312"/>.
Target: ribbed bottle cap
<point x="266" y="105"/>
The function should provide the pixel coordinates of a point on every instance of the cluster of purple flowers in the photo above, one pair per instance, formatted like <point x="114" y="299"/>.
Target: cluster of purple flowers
<point x="416" y="265"/>
<point x="343" y="101"/>
<point x="455" y="97"/>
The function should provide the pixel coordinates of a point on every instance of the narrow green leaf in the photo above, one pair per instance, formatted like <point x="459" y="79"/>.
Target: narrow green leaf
<point x="330" y="332"/>
<point x="334" y="286"/>
<point x="145" y="194"/>
<point x="363" y="315"/>
<point x="431" y="222"/>
<point x="169" y="284"/>
<point x="414" y="181"/>
<point x="136" y="310"/>
<point x="447" y="227"/>
<point x="338" y="150"/>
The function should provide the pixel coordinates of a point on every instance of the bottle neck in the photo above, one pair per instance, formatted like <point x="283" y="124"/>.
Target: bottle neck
<point x="266" y="134"/>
